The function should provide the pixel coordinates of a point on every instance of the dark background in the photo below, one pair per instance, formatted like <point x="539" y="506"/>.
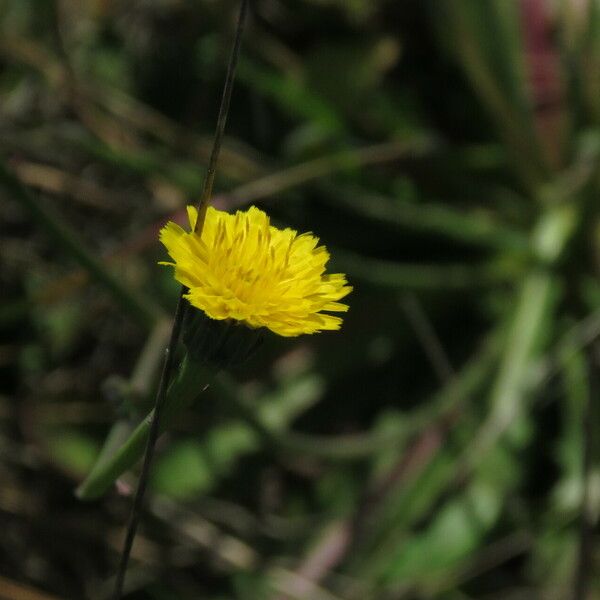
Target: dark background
<point x="444" y="443"/>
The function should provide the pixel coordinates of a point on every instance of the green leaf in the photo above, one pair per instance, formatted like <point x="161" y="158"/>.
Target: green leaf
<point x="73" y="450"/>
<point x="183" y="470"/>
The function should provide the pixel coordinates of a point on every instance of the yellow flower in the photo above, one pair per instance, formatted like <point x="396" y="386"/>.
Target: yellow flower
<point x="243" y="268"/>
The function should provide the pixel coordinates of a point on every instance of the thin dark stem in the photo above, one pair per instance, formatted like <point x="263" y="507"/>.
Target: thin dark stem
<point x="136" y="509"/>
<point x="222" y="118"/>
<point x="167" y="369"/>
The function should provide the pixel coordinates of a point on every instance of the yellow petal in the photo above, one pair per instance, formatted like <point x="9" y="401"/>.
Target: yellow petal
<point x="243" y="268"/>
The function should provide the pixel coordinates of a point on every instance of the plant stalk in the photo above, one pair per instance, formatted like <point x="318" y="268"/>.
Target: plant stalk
<point x="181" y="394"/>
<point x="154" y="425"/>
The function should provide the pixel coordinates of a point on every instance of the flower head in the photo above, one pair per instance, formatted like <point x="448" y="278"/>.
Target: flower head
<point x="240" y="267"/>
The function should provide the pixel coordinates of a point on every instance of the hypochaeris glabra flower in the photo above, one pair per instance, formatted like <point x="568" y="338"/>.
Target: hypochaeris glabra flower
<point x="242" y="268"/>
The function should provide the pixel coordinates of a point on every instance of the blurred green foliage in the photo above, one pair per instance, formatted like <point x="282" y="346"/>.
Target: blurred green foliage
<point x="444" y="444"/>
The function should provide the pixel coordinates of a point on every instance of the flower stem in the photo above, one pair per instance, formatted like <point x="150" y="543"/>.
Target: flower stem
<point x="182" y="392"/>
<point x="152" y="435"/>
<point x="221" y="119"/>
<point x="161" y="395"/>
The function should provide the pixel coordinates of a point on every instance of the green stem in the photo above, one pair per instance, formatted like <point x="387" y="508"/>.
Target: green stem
<point x="432" y="218"/>
<point x="498" y="77"/>
<point x="181" y="394"/>
<point x="139" y="308"/>
<point x="525" y="331"/>
<point x="402" y="276"/>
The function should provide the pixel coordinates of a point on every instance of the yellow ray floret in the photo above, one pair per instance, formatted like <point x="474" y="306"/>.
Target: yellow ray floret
<point x="241" y="267"/>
